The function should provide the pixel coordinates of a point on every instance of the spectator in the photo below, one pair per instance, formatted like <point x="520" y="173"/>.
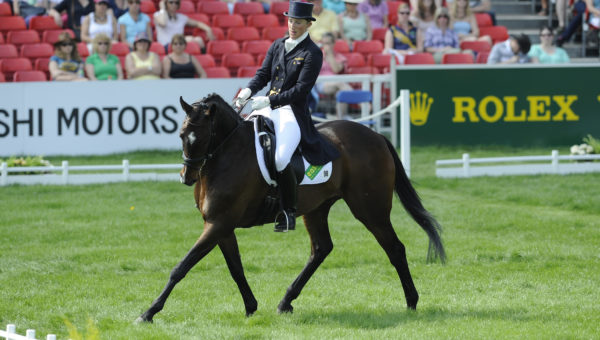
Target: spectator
<point x="99" y="21"/>
<point x="66" y="64"/>
<point x="102" y="65"/>
<point x="142" y="64"/>
<point x="544" y="10"/>
<point x="377" y="11"/>
<point x="179" y="64"/>
<point x="441" y="39"/>
<point x="353" y="24"/>
<point x="336" y="6"/>
<point x="326" y="22"/>
<point x="76" y="10"/>
<point x="119" y="7"/>
<point x="401" y="39"/>
<point x="561" y="13"/>
<point x="168" y="23"/>
<point x="479" y="6"/>
<point x="512" y="51"/>
<point x="333" y="63"/>
<point x="464" y="22"/>
<point x="546" y="52"/>
<point x="591" y="6"/>
<point x="133" y="22"/>
<point x="422" y="17"/>
<point x="26" y="9"/>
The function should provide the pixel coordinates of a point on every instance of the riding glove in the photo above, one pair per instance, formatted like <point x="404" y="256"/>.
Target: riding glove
<point x="260" y="103"/>
<point x="242" y="97"/>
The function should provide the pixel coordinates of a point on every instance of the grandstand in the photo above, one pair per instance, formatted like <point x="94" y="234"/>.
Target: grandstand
<point x="236" y="31"/>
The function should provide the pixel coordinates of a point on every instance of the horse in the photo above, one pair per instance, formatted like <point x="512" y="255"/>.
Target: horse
<point x="215" y="137"/>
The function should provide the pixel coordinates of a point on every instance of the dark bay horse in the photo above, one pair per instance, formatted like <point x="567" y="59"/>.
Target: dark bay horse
<point x="220" y="159"/>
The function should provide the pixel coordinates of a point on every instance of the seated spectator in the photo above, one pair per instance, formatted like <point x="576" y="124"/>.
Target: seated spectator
<point x="119" y="7"/>
<point x="591" y="6"/>
<point x="66" y="64"/>
<point x="546" y="52"/>
<point x="333" y="63"/>
<point x="441" y="39"/>
<point x="464" y="22"/>
<point x="401" y="38"/>
<point x="142" y="64"/>
<point x="422" y="17"/>
<point x="26" y="10"/>
<point x="353" y="24"/>
<point x="326" y="22"/>
<point x="133" y="23"/>
<point x="377" y="11"/>
<point x="102" y="65"/>
<point x="76" y="10"/>
<point x="336" y="6"/>
<point x="479" y="6"/>
<point x="179" y="64"/>
<point x="512" y="51"/>
<point x="168" y="23"/>
<point x="99" y="21"/>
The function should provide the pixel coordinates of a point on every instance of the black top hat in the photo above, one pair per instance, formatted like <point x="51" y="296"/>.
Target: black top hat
<point x="300" y="10"/>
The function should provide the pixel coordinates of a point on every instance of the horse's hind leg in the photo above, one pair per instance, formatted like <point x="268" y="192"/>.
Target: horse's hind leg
<point x="230" y="250"/>
<point x="321" y="246"/>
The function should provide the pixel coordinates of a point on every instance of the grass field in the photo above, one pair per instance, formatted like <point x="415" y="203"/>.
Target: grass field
<point x="523" y="262"/>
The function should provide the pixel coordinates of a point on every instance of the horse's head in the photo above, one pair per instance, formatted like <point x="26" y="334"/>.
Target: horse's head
<point x="201" y="132"/>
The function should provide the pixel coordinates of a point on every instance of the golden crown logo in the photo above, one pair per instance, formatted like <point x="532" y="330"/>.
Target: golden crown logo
<point x="419" y="107"/>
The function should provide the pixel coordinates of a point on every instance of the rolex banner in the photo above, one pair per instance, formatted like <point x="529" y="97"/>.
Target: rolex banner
<point x="520" y="105"/>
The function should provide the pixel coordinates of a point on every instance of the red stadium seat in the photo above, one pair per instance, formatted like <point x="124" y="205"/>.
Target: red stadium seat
<point x="354" y="59"/>
<point x="41" y="64"/>
<point x="497" y="33"/>
<point x="157" y="48"/>
<point x="217" y="72"/>
<point x="2" y="41"/>
<point x="482" y="57"/>
<point x="256" y="47"/>
<point x="247" y="71"/>
<point x="147" y="7"/>
<point x="278" y="8"/>
<point x="242" y="34"/>
<point x="457" y="58"/>
<point x="379" y="33"/>
<point x="483" y="20"/>
<point x="368" y="47"/>
<point x="119" y="49"/>
<point x="8" y="51"/>
<point x="5" y="10"/>
<point x="191" y="48"/>
<point x="226" y="21"/>
<point x="83" y="50"/>
<point x="260" y="58"/>
<point x="19" y="38"/>
<point x="12" y="65"/>
<point x="476" y="46"/>
<point x="199" y="17"/>
<point x="261" y="21"/>
<point x="247" y="8"/>
<point x="32" y="75"/>
<point x="273" y="33"/>
<point x="380" y="61"/>
<point x="362" y="70"/>
<point x="233" y="61"/>
<point x="39" y="50"/>
<point x="206" y="60"/>
<point x="341" y="46"/>
<point x="211" y="8"/>
<point x="218" y="33"/>
<point x="419" y="59"/>
<point x="217" y="48"/>
<point x="51" y="36"/>
<point x="42" y="23"/>
<point x="2" y="79"/>
<point x="12" y="24"/>
<point x="186" y="7"/>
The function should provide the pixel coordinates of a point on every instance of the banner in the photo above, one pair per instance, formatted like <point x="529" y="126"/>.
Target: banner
<point x="533" y="105"/>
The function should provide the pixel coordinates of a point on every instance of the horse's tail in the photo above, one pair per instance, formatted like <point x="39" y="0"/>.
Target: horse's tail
<point x="412" y="203"/>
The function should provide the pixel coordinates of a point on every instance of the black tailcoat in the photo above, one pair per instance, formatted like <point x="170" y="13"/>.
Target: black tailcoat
<point x="292" y="76"/>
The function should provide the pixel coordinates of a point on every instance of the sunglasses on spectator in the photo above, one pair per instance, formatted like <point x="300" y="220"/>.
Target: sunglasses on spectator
<point x="66" y="44"/>
<point x="178" y="44"/>
<point x="405" y="13"/>
<point x="443" y="16"/>
<point x="103" y="43"/>
<point x="135" y="2"/>
<point x="174" y="2"/>
<point x="546" y="35"/>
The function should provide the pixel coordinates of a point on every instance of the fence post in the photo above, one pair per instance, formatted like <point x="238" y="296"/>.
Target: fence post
<point x="3" y="173"/>
<point x="555" y="161"/>
<point x="11" y="328"/>
<point x="405" y="130"/>
<point x="65" y="172"/>
<point x="30" y="334"/>
<point x="125" y="170"/>
<point x="466" y="165"/>
<point x="51" y="337"/>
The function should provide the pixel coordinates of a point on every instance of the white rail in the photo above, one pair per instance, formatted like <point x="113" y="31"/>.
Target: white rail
<point x="11" y="334"/>
<point x="528" y="165"/>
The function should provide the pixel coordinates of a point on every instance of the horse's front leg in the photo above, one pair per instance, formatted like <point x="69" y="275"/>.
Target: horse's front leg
<point x="207" y="241"/>
<point x="230" y="250"/>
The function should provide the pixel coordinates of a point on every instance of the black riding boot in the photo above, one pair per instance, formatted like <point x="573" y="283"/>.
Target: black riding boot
<point x="286" y="181"/>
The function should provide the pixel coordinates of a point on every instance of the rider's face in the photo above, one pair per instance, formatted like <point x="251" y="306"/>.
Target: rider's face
<point x="297" y="27"/>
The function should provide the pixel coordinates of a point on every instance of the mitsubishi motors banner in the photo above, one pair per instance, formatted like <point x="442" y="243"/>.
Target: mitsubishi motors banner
<point x="530" y="105"/>
<point x="101" y="117"/>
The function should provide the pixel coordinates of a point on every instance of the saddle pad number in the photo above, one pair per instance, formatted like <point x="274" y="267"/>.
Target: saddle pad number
<point x="313" y="170"/>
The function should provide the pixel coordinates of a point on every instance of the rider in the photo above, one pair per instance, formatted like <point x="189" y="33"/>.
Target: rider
<point x="292" y="65"/>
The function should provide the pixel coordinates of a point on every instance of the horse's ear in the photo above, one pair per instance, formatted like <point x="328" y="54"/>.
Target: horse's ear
<point x="185" y="106"/>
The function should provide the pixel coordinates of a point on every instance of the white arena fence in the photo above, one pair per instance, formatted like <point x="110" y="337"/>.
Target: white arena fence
<point x="11" y="334"/>
<point x="527" y="165"/>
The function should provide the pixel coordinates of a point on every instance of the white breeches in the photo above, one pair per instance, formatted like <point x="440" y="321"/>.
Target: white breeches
<point x="287" y="133"/>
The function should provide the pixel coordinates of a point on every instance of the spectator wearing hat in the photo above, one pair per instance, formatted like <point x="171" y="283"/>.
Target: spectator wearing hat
<point x="168" y="23"/>
<point x="66" y="64"/>
<point x="326" y="22"/>
<point x="101" y="20"/>
<point x="75" y="10"/>
<point x="354" y="25"/>
<point x="292" y="65"/>
<point x="133" y="22"/>
<point x="511" y="51"/>
<point x="440" y="39"/>
<point x="141" y="63"/>
<point x="377" y="11"/>
<point x="102" y="65"/>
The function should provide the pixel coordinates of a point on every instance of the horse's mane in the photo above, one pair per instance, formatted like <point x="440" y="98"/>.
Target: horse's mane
<point x="221" y="105"/>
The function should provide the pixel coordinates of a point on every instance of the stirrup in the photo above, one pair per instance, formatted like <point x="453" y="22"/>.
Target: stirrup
<point x="285" y="223"/>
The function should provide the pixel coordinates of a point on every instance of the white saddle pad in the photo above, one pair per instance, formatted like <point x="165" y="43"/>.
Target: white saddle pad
<point x="312" y="174"/>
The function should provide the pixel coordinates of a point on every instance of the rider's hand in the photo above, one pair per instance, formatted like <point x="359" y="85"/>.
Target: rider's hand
<point x="242" y="97"/>
<point x="260" y="103"/>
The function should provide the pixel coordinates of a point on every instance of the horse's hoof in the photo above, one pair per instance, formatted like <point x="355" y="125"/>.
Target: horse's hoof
<point x="285" y="308"/>
<point x="141" y="319"/>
